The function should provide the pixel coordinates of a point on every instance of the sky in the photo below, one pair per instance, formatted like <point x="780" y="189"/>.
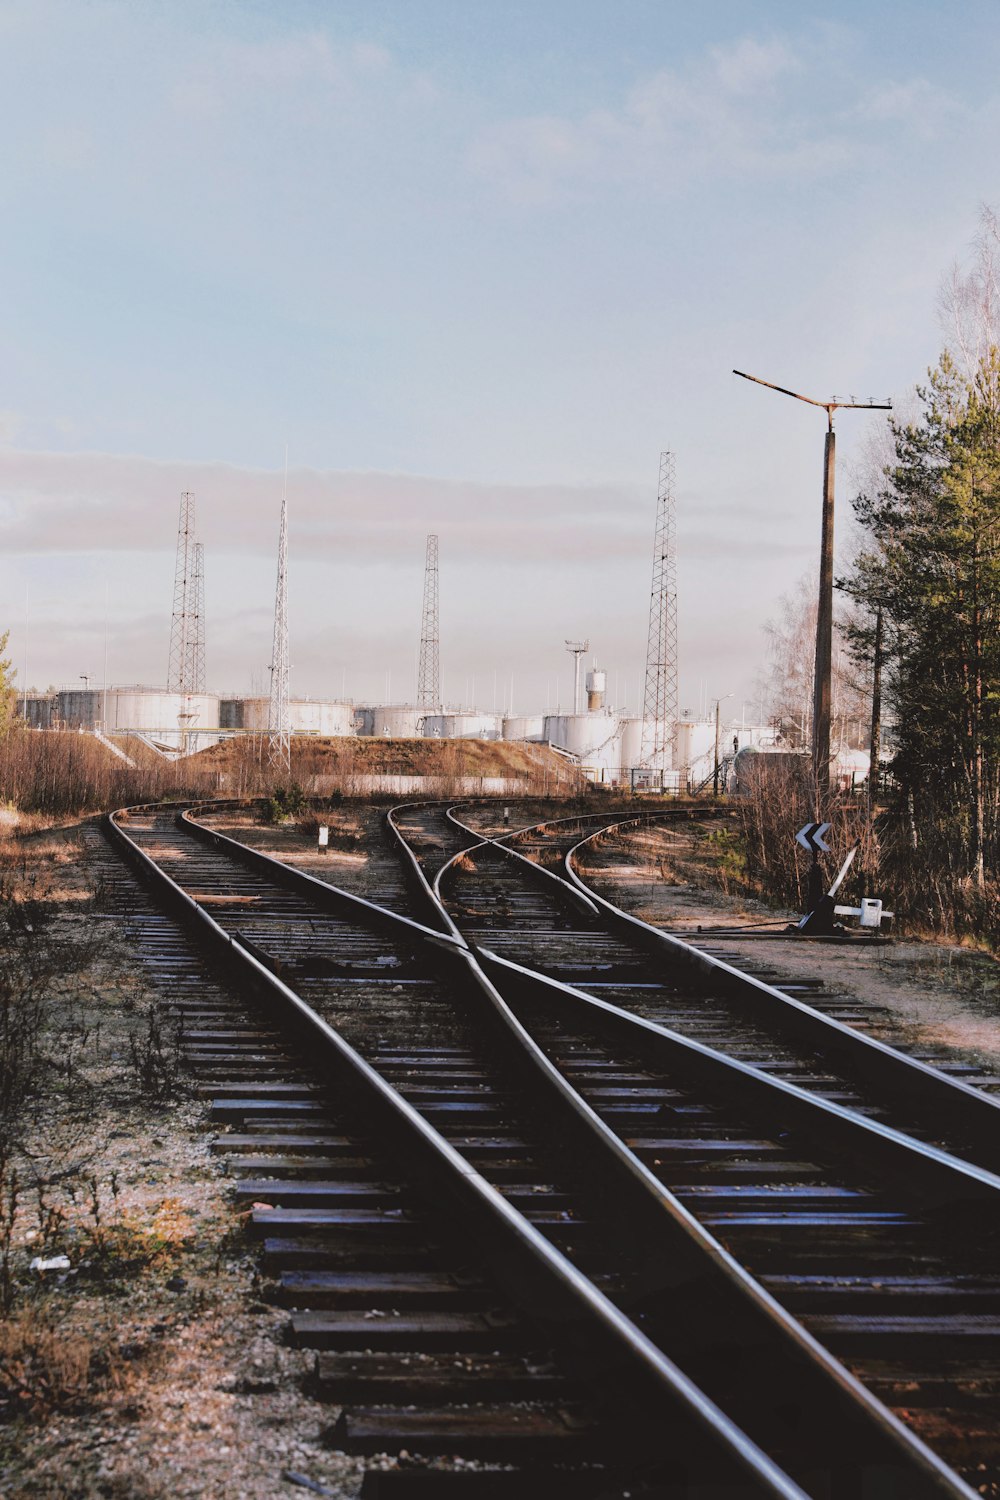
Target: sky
<point x="476" y="264"/>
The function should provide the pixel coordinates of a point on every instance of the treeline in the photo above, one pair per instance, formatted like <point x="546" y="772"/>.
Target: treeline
<point x="65" y="773"/>
<point x="919" y="618"/>
<point x="926" y="584"/>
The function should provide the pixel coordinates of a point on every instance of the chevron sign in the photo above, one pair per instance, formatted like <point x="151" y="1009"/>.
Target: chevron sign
<point x="811" y="837"/>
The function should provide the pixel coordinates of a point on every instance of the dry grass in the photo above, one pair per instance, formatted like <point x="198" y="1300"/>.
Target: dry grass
<point x="46" y="1367"/>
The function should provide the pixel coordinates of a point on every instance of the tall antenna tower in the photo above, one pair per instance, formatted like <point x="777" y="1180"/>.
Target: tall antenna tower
<point x="659" y="713"/>
<point x="279" y="749"/>
<point x="429" y="669"/>
<point x="187" y="644"/>
<point x="196" y="638"/>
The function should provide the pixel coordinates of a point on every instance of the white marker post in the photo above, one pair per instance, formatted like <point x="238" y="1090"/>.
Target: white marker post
<point x="324" y="838"/>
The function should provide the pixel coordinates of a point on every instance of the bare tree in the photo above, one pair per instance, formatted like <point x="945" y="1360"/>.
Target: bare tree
<point x="969" y="300"/>
<point x="787" y="680"/>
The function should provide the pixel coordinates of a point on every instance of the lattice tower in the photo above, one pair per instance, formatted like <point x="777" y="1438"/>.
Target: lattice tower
<point x="429" y="669"/>
<point x="183" y="621"/>
<point x="196" y="635"/>
<point x="279" y="732"/>
<point x="659" y="713"/>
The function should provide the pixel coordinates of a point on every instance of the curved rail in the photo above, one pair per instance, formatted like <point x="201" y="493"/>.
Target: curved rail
<point x="699" y="1258"/>
<point x="538" y="1277"/>
<point x="967" y="1113"/>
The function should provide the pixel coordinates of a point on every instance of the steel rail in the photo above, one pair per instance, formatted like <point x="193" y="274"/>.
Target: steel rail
<point x="679" y="1239"/>
<point x="698" y="1261"/>
<point x="927" y="1174"/>
<point x="968" y="1115"/>
<point x="971" y="1116"/>
<point x="538" y="1277"/>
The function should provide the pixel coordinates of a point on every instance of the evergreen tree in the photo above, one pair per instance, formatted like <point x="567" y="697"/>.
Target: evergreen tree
<point x="8" y="696"/>
<point x="932" y="561"/>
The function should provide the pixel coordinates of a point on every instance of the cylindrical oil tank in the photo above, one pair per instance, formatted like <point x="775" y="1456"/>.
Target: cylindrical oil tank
<point x="595" y="739"/>
<point x="157" y="711"/>
<point x="580" y="734"/>
<point x="81" y="708"/>
<point x="524" y="727"/>
<point x="324" y="717"/>
<point x="37" y="709"/>
<point x="317" y="716"/>
<point x="462" y="726"/>
<point x="631" y="743"/>
<point x="398" y="721"/>
<point x="597" y="683"/>
<point x="231" y="713"/>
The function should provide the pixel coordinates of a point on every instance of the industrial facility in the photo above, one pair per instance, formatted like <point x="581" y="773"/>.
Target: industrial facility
<point x="661" y="750"/>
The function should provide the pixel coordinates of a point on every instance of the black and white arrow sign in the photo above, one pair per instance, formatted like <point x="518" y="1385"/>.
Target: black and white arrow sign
<point x="811" y="837"/>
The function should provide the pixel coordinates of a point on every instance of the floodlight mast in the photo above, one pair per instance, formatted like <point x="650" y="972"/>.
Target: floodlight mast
<point x="824" y="615"/>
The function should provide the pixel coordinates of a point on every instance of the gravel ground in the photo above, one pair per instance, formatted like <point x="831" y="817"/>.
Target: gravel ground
<point x="150" y="1367"/>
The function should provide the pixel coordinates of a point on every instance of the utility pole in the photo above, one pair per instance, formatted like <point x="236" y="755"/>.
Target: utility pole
<point x="576" y="650"/>
<point x="279" y="718"/>
<point x="876" y="733"/>
<point x="718" y="745"/>
<point x="824" y="616"/>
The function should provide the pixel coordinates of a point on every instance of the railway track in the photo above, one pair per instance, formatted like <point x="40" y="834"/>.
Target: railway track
<point x="627" y="1175"/>
<point x="899" y="1316"/>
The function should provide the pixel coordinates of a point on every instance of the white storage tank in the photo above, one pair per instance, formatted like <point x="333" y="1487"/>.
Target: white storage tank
<point x="524" y="727"/>
<point x="398" y="721"/>
<point x="462" y="726"/>
<point x="157" y="712"/>
<point x="581" y="734"/>
<point x="317" y="716"/>
<point x="631" y="743"/>
<point x="324" y="717"/>
<point x="595" y="739"/>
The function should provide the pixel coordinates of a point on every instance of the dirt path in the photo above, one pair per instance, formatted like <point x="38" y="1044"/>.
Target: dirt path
<point x="936" y="994"/>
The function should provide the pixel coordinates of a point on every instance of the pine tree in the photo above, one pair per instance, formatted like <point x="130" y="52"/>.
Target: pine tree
<point x="932" y="561"/>
<point x="8" y="696"/>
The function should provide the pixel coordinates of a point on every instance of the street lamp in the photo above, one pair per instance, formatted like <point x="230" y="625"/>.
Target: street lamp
<point x="715" y="774"/>
<point x="824" y="616"/>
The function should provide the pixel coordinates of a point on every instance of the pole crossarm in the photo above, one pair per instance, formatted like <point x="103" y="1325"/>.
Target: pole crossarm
<point x="828" y="406"/>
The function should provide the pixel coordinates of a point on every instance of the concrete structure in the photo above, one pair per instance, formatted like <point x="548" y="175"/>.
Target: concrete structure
<point x="316" y="716"/>
<point x="597" y="684"/>
<point x="467" y="724"/>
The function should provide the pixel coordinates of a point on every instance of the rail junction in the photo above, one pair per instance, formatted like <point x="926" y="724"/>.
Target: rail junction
<point x="566" y="1205"/>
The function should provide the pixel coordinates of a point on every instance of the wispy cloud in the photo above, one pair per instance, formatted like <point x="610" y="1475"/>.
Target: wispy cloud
<point x="56" y="502"/>
<point x="758" y="108"/>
